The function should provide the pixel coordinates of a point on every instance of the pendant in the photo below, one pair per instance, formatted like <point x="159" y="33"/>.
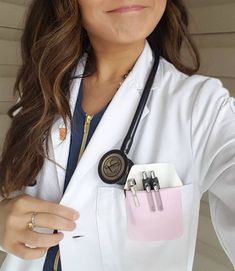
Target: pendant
<point x="62" y="132"/>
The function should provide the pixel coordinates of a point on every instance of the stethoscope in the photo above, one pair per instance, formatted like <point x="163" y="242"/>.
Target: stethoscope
<point x="114" y="165"/>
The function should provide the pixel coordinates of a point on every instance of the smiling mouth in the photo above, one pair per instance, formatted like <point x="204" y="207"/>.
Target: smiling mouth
<point x="127" y="9"/>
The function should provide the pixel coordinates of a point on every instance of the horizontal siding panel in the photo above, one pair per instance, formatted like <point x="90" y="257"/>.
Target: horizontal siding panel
<point x="204" y="208"/>
<point x="10" y="53"/>
<point x="203" y="263"/>
<point x="229" y="83"/>
<point x="203" y="3"/>
<point x="10" y="34"/>
<point x="206" y="232"/>
<point x="4" y="106"/>
<point x="221" y="40"/>
<point x="4" y="126"/>
<point x="18" y="2"/>
<point x="218" y="62"/>
<point x="212" y="19"/>
<point x="206" y="259"/>
<point x="6" y="89"/>
<point x="214" y="254"/>
<point x="12" y="15"/>
<point x="8" y="70"/>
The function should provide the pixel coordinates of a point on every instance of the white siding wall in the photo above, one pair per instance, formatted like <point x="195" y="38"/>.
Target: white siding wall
<point x="213" y="27"/>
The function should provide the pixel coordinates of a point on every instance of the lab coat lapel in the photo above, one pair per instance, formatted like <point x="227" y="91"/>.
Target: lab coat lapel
<point x="61" y="147"/>
<point x="113" y="125"/>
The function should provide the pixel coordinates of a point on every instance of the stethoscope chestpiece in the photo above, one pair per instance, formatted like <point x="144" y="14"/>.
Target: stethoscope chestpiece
<point x="114" y="167"/>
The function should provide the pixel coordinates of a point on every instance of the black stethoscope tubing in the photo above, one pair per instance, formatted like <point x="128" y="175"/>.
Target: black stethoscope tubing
<point x="114" y="165"/>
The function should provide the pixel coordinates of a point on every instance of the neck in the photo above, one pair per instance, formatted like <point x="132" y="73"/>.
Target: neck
<point x="113" y="61"/>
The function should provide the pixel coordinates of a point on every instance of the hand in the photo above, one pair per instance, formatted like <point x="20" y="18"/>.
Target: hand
<point x="16" y="213"/>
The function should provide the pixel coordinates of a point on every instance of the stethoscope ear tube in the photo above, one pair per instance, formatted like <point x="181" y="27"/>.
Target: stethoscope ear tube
<point x="128" y="140"/>
<point x="114" y="165"/>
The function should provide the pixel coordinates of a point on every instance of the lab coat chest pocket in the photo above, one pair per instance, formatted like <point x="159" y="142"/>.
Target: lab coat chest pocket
<point x="147" y="224"/>
<point x="122" y="232"/>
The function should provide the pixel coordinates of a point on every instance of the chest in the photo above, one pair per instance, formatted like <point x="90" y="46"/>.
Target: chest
<point x="96" y="97"/>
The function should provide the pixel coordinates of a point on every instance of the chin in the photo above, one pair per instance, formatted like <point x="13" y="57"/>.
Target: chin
<point x="129" y="38"/>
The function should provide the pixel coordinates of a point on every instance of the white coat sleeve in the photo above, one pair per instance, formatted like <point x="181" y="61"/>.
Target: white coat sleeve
<point x="213" y="147"/>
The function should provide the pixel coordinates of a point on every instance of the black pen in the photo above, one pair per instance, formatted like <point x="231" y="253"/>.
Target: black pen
<point x="147" y="187"/>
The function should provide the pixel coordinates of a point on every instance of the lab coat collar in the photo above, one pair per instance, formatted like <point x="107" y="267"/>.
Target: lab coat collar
<point x="114" y="123"/>
<point x="142" y="67"/>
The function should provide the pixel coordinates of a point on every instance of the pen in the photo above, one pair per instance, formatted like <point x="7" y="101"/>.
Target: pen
<point x="156" y="187"/>
<point x="147" y="187"/>
<point x="132" y="186"/>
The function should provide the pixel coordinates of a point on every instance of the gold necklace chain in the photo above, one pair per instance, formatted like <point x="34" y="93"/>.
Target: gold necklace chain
<point x="123" y="78"/>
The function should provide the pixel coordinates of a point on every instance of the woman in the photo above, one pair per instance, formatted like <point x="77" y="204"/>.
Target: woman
<point x="85" y="66"/>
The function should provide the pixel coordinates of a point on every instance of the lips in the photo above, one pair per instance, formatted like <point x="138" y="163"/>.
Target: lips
<point x="127" y="8"/>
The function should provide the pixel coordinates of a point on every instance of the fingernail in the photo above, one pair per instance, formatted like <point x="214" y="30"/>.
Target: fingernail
<point x="76" y="215"/>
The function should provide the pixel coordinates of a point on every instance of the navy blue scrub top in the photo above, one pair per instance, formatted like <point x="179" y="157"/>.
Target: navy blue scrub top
<point x="75" y="144"/>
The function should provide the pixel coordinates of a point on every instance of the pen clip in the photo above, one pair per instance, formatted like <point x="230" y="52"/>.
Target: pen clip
<point x="132" y="187"/>
<point x="147" y="188"/>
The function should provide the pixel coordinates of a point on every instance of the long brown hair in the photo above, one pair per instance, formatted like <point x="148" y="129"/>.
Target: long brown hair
<point x="52" y="43"/>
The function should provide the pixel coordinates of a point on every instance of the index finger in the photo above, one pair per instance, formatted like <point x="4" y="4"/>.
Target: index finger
<point x="41" y="205"/>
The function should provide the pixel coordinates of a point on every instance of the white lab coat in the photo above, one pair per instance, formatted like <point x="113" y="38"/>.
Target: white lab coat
<point x="189" y="122"/>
